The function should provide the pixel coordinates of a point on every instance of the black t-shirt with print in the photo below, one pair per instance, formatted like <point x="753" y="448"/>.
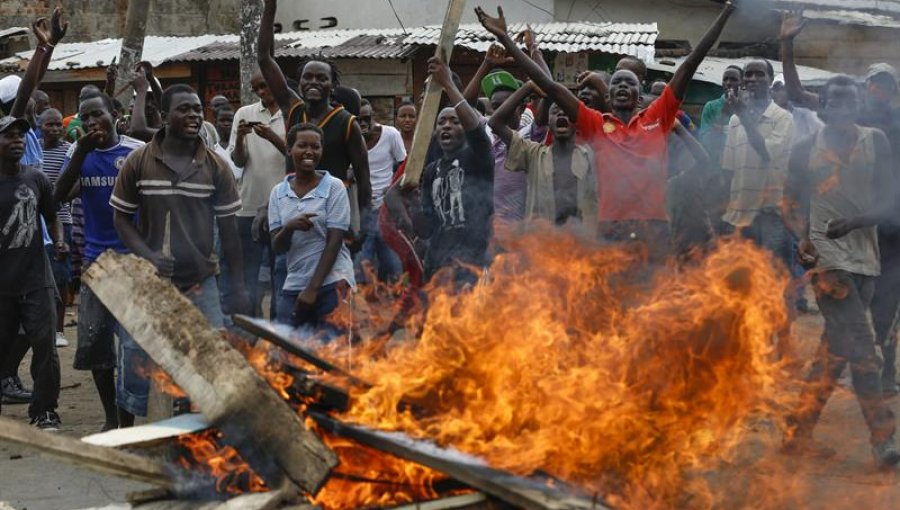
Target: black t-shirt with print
<point x="458" y="203"/>
<point x="24" y="198"/>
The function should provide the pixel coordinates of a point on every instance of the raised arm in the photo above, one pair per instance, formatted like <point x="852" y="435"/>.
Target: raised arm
<point x="112" y="74"/>
<point x="47" y="40"/>
<point x="495" y="57"/>
<point x="155" y="86"/>
<point x="701" y="157"/>
<point x="265" y="51"/>
<point x="556" y="91"/>
<point x="499" y="121"/>
<point x="139" y="126"/>
<point x="359" y="159"/>
<point x="685" y="73"/>
<point x="791" y="26"/>
<point x="440" y="72"/>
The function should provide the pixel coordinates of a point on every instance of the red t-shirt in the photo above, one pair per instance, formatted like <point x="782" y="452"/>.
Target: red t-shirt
<point x="632" y="160"/>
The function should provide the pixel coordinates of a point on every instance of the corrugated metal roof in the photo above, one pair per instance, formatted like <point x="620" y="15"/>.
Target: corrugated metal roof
<point x="712" y="68"/>
<point x="376" y="46"/>
<point x="157" y="50"/>
<point x="394" y="43"/>
<point x="8" y="32"/>
<point x="330" y="43"/>
<point x="636" y="39"/>
<point x="875" y="13"/>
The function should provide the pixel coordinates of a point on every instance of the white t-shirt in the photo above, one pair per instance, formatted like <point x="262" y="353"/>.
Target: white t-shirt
<point x="237" y="171"/>
<point x="388" y="152"/>
<point x="265" y="167"/>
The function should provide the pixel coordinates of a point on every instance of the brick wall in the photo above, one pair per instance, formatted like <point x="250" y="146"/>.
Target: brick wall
<point x="99" y="19"/>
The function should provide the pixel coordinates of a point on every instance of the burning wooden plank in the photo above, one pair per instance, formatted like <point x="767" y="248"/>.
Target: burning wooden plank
<point x="228" y="391"/>
<point x="97" y="458"/>
<point x="281" y="337"/>
<point x="515" y="490"/>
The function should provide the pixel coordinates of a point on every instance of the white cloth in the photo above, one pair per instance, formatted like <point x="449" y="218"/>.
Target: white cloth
<point x="9" y="87"/>
<point x="265" y="166"/>
<point x="388" y="152"/>
<point x="237" y="171"/>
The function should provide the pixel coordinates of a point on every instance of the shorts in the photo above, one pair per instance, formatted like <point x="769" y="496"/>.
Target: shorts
<point x="97" y="328"/>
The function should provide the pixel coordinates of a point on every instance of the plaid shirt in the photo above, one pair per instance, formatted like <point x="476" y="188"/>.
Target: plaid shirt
<point x="757" y="186"/>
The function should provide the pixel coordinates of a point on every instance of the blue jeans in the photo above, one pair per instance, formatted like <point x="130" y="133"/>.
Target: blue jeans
<point x="133" y="384"/>
<point x="326" y="302"/>
<point x="385" y="263"/>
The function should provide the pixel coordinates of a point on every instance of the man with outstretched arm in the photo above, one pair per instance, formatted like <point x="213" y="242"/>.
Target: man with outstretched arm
<point x="631" y="143"/>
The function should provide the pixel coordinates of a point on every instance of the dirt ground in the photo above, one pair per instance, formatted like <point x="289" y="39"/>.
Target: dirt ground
<point x="35" y="482"/>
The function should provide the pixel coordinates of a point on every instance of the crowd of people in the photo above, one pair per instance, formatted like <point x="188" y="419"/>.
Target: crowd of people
<point x="302" y="194"/>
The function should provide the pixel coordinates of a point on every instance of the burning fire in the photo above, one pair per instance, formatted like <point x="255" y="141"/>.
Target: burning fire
<point x="558" y="363"/>
<point x="369" y="478"/>
<point x="208" y="454"/>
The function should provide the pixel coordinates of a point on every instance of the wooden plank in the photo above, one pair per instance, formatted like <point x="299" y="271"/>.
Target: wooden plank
<point x="106" y="460"/>
<point x="267" y="433"/>
<point x="283" y="337"/>
<point x="151" y="433"/>
<point x="415" y="162"/>
<point x="515" y="490"/>
<point x="257" y="501"/>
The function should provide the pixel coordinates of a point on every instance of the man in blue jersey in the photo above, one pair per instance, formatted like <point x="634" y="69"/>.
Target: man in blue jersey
<point x="90" y="171"/>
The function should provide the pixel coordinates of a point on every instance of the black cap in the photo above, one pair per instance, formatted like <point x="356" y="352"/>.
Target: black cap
<point x="10" y="121"/>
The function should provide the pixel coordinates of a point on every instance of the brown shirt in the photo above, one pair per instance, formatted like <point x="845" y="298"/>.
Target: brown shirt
<point x="148" y="187"/>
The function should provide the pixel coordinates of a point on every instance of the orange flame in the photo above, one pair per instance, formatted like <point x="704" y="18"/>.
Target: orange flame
<point x="223" y="463"/>
<point x="556" y="363"/>
<point x="367" y="478"/>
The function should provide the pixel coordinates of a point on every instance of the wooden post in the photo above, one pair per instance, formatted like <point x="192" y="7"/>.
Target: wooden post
<point x="251" y="16"/>
<point x="132" y="47"/>
<point x="229" y="392"/>
<point x="98" y="458"/>
<point x="415" y="163"/>
<point x="159" y="403"/>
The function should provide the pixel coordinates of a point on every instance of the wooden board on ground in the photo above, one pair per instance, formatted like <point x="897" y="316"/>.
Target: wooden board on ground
<point x="418" y="153"/>
<point x="151" y="433"/>
<point x="259" y="501"/>
<point x="466" y="501"/>
<point x="217" y="378"/>
<point x="106" y="460"/>
<point x="515" y="490"/>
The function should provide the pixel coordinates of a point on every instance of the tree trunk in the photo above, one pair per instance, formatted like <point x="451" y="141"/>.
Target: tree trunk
<point x="251" y="15"/>
<point x="132" y="46"/>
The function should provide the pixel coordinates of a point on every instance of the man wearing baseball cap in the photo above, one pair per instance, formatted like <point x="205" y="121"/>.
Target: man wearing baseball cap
<point x="26" y="292"/>
<point x="509" y="187"/>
